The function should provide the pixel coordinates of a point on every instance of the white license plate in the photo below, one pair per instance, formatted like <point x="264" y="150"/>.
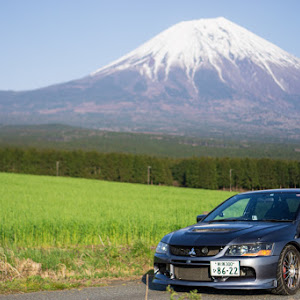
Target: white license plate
<point x="225" y="268"/>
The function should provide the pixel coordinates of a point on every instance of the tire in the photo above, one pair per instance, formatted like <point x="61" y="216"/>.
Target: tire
<point x="288" y="271"/>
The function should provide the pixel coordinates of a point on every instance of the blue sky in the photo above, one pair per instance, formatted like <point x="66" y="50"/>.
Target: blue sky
<point x="44" y="42"/>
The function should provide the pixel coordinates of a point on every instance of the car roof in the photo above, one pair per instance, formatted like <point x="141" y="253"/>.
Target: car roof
<point x="297" y="190"/>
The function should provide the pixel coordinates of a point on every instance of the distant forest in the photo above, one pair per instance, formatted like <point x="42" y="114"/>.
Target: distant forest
<point x="62" y="137"/>
<point x="204" y="172"/>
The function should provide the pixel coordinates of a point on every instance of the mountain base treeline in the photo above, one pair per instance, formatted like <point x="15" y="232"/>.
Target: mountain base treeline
<point x="204" y="172"/>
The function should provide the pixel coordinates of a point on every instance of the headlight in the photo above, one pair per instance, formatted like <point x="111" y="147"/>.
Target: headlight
<point x="250" y="250"/>
<point x="162" y="248"/>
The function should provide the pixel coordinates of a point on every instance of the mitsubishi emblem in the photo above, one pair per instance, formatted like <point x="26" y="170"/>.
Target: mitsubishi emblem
<point x="192" y="252"/>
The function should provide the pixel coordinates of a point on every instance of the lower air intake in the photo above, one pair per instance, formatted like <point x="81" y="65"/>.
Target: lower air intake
<point x="191" y="273"/>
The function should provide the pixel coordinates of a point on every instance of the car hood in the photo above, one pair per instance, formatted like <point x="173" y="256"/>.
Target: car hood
<point x="228" y="233"/>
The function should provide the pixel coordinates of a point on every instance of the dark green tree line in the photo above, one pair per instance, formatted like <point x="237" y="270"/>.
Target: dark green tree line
<point x="204" y="172"/>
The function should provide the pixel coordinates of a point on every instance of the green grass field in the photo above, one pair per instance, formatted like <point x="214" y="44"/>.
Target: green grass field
<point x="54" y="211"/>
<point x="82" y="228"/>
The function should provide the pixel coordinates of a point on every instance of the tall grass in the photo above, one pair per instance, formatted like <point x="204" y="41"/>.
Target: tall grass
<point x="41" y="211"/>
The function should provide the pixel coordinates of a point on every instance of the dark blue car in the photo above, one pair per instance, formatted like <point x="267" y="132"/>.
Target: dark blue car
<point x="250" y="241"/>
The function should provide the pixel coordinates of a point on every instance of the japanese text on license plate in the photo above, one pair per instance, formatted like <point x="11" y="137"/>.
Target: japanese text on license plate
<point x="225" y="268"/>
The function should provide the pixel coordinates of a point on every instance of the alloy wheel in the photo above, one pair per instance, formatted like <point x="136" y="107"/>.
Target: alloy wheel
<point x="290" y="269"/>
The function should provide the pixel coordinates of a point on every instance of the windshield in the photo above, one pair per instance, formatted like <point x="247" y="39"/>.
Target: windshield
<point x="257" y="207"/>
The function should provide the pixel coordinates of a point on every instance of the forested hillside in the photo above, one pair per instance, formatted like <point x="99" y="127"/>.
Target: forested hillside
<point x="63" y="137"/>
<point x="204" y="172"/>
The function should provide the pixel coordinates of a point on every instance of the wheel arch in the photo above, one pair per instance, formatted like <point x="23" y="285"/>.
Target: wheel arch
<point x="293" y="243"/>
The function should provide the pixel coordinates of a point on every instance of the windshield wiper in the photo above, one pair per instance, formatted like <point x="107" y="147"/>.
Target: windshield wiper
<point x="228" y="220"/>
<point x="274" y="220"/>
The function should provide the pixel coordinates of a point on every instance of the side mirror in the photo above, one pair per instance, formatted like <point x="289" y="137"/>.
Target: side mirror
<point x="200" y="218"/>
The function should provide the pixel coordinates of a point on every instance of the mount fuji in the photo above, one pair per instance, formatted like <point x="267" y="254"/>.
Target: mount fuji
<point x="204" y="76"/>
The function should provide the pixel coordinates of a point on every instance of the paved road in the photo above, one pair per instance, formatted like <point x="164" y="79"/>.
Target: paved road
<point x="136" y="290"/>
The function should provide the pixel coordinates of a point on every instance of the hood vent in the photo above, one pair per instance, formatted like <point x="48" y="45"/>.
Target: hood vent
<point x="212" y="230"/>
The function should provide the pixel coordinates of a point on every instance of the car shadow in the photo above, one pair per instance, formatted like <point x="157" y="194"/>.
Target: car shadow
<point x="202" y="290"/>
<point x="151" y="285"/>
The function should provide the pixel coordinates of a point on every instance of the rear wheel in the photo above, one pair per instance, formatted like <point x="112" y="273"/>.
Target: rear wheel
<point x="288" y="271"/>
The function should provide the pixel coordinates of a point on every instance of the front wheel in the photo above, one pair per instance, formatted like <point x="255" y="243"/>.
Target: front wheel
<point x="288" y="271"/>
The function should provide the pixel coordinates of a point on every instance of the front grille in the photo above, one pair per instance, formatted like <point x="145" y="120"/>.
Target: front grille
<point x="192" y="273"/>
<point x="195" y="251"/>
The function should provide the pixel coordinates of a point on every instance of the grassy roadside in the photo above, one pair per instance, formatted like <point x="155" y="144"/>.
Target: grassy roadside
<point x="34" y="284"/>
<point x="64" y="268"/>
<point x="37" y="283"/>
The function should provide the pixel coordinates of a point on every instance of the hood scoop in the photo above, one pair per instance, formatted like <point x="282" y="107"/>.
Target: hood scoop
<point x="218" y="229"/>
<point x="213" y="229"/>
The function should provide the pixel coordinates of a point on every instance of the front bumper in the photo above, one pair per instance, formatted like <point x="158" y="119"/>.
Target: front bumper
<point x="256" y="272"/>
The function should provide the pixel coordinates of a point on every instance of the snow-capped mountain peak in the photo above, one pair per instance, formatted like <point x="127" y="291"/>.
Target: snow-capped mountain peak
<point x="203" y="43"/>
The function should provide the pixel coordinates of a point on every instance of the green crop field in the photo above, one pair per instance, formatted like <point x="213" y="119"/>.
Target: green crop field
<point x="54" y="211"/>
<point x="90" y="228"/>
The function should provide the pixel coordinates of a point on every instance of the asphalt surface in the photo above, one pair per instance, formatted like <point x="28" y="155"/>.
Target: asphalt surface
<point x="136" y="290"/>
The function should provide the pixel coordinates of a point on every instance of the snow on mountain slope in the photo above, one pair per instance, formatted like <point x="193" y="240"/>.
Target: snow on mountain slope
<point x="207" y="75"/>
<point x="204" y="43"/>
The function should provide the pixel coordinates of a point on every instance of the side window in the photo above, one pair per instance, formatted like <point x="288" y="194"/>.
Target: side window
<point x="293" y="204"/>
